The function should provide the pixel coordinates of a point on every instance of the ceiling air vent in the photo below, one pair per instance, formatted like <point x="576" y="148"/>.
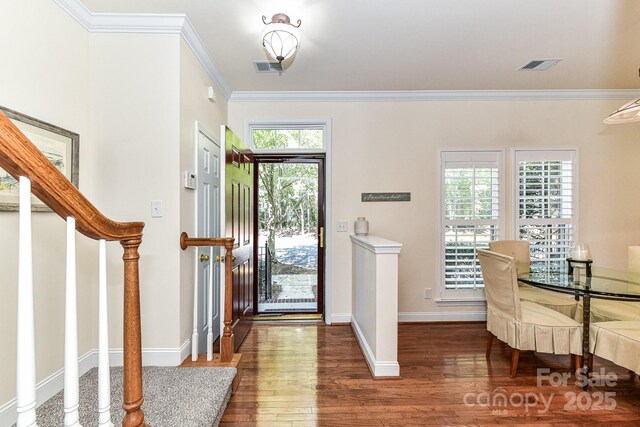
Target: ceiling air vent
<point x="539" y="64"/>
<point x="268" y="67"/>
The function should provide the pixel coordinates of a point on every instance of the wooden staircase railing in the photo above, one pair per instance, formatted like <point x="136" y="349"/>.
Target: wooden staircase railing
<point x="21" y="159"/>
<point x="226" y="341"/>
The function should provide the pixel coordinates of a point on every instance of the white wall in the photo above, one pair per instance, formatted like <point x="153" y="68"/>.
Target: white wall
<point x="49" y="81"/>
<point x="393" y="146"/>
<point x="194" y="106"/>
<point x="131" y="99"/>
<point x="135" y="102"/>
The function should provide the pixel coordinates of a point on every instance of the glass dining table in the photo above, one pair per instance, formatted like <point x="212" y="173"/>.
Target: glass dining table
<point x="604" y="284"/>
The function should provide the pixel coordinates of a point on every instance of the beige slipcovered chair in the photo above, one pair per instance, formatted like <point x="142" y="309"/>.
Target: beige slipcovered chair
<point x="602" y="310"/>
<point x="519" y="250"/>
<point x="523" y="325"/>
<point x="618" y="342"/>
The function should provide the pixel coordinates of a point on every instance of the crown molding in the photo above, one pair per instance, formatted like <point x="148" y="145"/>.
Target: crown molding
<point x="180" y="24"/>
<point x="77" y="11"/>
<point x="434" y="95"/>
<point x="194" y="42"/>
<point x="135" y="23"/>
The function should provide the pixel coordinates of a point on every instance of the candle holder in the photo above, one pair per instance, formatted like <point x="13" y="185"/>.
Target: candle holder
<point x="586" y="262"/>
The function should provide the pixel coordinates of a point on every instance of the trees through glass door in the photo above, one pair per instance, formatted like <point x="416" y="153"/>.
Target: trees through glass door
<point x="290" y="234"/>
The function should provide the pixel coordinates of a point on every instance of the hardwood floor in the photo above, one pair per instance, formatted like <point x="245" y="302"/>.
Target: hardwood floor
<point x="313" y="374"/>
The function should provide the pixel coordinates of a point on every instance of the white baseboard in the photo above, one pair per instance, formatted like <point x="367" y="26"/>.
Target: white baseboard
<point x="155" y="356"/>
<point x="448" y="316"/>
<point x="51" y="385"/>
<point x="340" y="318"/>
<point x="48" y="387"/>
<point x="185" y="350"/>
<point x="378" y="368"/>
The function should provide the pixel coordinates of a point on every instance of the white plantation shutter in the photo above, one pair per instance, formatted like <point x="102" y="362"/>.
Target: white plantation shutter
<point x="471" y="215"/>
<point x="546" y="183"/>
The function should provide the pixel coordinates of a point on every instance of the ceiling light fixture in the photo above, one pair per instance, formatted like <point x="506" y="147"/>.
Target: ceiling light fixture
<point x="280" y="37"/>
<point x="629" y="112"/>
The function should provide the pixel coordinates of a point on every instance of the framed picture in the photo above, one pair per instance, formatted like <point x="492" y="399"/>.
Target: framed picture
<point x="57" y="144"/>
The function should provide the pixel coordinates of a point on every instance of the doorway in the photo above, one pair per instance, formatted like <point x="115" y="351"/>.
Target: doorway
<point x="239" y="224"/>
<point x="290" y="241"/>
<point x="207" y="292"/>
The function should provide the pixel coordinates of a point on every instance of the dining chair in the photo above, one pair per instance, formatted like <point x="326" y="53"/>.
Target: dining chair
<point x="617" y="341"/>
<point x="523" y="325"/>
<point x="602" y="310"/>
<point x="520" y="251"/>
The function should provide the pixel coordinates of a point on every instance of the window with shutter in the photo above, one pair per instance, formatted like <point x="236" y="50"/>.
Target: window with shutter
<point x="546" y="211"/>
<point x="471" y="216"/>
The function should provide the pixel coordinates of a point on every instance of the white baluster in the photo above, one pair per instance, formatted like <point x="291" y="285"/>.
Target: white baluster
<point x="71" y="393"/>
<point x="210" y="307"/>
<point x="26" y="351"/>
<point x="194" y="335"/>
<point x="104" y="380"/>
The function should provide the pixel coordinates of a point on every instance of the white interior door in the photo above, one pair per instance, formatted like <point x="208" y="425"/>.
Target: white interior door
<point x="208" y="289"/>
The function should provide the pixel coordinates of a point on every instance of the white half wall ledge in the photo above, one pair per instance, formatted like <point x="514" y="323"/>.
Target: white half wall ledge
<point x="375" y="302"/>
<point x="377" y="245"/>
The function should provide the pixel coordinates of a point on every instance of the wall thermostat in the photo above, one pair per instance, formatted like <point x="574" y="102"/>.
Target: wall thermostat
<point x="190" y="180"/>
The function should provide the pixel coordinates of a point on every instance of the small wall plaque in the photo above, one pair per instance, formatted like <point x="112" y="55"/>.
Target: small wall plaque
<point x="386" y="197"/>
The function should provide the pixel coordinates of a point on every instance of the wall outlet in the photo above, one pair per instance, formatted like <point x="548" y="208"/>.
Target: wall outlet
<point x="342" y="226"/>
<point x="427" y="293"/>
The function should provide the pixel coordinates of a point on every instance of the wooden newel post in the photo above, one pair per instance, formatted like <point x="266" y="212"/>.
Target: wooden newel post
<point x="226" y="342"/>
<point x="132" y="346"/>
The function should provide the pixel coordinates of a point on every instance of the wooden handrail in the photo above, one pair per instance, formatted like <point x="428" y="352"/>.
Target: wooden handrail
<point x="20" y="157"/>
<point x="186" y="241"/>
<point x="226" y="341"/>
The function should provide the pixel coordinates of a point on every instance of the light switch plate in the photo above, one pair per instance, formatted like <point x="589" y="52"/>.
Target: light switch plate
<point x="342" y="226"/>
<point x="156" y="209"/>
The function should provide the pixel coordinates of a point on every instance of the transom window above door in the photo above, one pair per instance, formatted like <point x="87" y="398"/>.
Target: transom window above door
<point x="288" y="137"/>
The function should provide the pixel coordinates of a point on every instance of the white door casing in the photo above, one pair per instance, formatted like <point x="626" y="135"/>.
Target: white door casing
<point x="207" y="289"/>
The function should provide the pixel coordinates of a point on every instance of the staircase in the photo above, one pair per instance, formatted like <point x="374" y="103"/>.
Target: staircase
<point x="165" y="388"/>
<point x="173" y="397"/>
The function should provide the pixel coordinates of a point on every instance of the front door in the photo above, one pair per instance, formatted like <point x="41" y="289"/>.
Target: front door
<point x="239" y="225"/>
<point x="207" y="298"/>
<point x="290" y="234"/>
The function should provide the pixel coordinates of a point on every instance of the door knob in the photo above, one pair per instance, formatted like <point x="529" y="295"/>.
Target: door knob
<point x="204" y="258"/>
<point x="219" y="258"/>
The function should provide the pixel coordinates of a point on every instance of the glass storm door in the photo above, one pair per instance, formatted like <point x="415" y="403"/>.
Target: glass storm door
<point x="290" y="234"/>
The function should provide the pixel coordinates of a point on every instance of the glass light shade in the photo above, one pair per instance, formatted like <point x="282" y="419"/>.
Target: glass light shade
<point x="280" y="40"/>
<point x="628" y="113"/>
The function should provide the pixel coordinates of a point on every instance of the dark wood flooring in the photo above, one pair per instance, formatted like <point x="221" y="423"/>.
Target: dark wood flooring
<point x="313" y="374"/>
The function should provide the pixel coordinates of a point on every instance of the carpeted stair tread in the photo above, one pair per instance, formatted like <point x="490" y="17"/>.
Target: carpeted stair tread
<point x="185" y="397"/>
